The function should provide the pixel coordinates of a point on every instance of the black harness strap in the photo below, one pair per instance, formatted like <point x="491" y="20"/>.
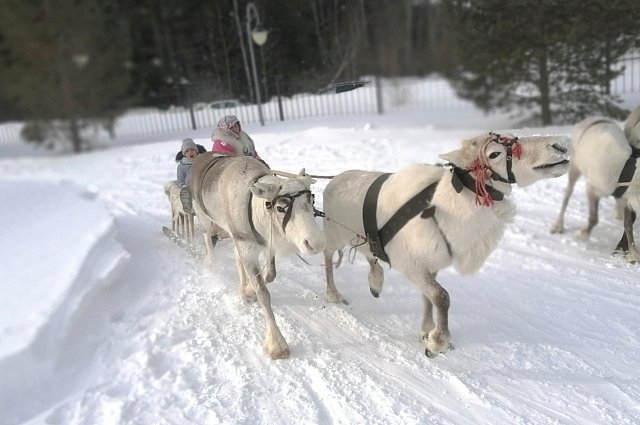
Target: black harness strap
<point x="369" y="220"/>
<point x="460" y="179"/>
<point x="508" y="144"/>
<point x="626" y="175"/>
<point x="414" y="206"/>
<point x="255" y="232"/>
<point x="417" y="205"/>
<point x="198" y="192"/>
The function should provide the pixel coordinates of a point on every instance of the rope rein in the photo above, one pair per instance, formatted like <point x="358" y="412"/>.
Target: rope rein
<point x="286" y="174"/>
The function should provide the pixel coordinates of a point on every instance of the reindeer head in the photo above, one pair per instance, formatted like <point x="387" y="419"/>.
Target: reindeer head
<point x="290" y="203"/>
<point x="509" y="159"/>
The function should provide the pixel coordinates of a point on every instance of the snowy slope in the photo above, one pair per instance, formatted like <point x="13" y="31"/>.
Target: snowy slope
<point x="138" y="331"/>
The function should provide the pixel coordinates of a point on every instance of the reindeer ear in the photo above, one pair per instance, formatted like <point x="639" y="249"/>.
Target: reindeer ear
<point x="455" y="157"/>
<point x="302" y="173"/>
<point x="265" y="190"/>
<point x="307" y="179"/>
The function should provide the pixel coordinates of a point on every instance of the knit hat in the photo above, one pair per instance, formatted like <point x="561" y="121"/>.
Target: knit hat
<point x="227" y="122"/>
<point x="188" y="144"/>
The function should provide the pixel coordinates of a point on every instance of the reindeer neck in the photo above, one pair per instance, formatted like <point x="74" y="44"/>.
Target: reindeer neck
<point x="487" y="192"/>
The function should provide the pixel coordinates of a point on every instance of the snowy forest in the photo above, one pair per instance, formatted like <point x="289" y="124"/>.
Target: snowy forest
<point x="83" y="62"/>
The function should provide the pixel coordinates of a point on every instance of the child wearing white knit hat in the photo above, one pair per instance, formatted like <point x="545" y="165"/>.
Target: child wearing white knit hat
<point x="189" y="152"/>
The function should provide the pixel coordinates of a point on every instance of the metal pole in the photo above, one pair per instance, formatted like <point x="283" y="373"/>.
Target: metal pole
<point x="252" y="13"/>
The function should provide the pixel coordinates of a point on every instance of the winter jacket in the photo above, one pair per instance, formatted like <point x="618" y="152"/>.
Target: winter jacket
<point x="226" y="142"/>
<point x="184" y="171"/>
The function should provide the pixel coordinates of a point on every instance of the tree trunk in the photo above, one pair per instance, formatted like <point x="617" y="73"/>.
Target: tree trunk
<point x="74" y="132"/>
<point x="319" y="30"/>
<point x="247" y="70"/>
<point x="543" y="86"/>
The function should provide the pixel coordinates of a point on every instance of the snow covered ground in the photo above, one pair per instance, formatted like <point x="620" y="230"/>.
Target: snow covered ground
<point x="104" y="320"/>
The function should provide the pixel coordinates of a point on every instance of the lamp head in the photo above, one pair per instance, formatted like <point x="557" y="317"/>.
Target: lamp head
<point x="259" y="36"/>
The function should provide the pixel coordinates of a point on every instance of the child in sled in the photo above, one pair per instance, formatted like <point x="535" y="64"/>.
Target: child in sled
<point x="185" y="158"/>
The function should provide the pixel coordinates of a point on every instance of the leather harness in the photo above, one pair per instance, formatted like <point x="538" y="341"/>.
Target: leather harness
<point x="417" y="205"/>
<point x="420" y="202"/>
<point x="626" y="175"/>
<point x="629" y="169"/>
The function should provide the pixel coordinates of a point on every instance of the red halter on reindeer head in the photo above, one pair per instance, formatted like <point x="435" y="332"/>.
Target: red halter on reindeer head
<point x="481" y="170"/>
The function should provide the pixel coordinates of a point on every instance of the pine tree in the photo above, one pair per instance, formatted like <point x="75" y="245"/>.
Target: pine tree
<point x="553" y="55"/>
<point x="65" y="64"/>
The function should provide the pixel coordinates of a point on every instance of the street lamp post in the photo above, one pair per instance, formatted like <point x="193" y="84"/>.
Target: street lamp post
<point x="259" y="36"/>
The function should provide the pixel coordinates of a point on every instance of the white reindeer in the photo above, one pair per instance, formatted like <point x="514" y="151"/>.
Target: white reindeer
<point x="182" y="223"/>
<point x="266" y="216"/>
<point x="608" y="157"/>
<point x="632" y="128"/>
<point x="429" y="217"/>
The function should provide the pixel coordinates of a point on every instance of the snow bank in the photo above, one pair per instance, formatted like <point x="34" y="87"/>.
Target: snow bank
<point x="52" y="227"/>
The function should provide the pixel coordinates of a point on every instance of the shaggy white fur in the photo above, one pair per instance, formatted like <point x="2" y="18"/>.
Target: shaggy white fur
<point x="601" y="150"/>
<point x="632" y="128"/>
<point x="266" y="216"/>
<point x="461" y="233"/>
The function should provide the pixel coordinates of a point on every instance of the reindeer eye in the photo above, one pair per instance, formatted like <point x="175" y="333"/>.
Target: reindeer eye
<point x="282" y="204"/>
<point x="494" y="155"/>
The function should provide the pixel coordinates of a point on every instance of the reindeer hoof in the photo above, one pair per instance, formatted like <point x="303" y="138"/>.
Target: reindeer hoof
<point x="335" y="298"/>
<point x="279" y="354"/>
<point x="431" y="354"/>
<point x="631" y="259"/>
<point x="557" y="229"/>
<point x="583" y="234"/>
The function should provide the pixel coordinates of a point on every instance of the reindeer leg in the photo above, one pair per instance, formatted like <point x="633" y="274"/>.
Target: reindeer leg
<point x="174" y="217"/>
<point x="629" y="218"/>
<point x="376" y="275"/>
<point x="623" y="245"/>
<point x="210" y="240"/>
<point x="190" y="228"/>
<point x="618" y="211"/>
<point x="593" y="201"/>
<point x="179" y="225"/>
<point x="427" y="318"/>
<point x="274" y="343"/>
<point x="574" y="175"/>
<point x="332" y="295"/>
<point x="183" y="226"/>
<point x="270" y="274"/>
<point x="247" y="292"/>
<point x="435" y="327"/>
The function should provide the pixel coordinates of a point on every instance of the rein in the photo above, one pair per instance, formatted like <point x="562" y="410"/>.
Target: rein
<point x="285" y="174"/>
<point x="627" y="173"/>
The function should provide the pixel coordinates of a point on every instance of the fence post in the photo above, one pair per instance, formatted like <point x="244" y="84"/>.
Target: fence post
<point x="280" y="111"/>
<point x="378" y="89"/>
<point x="189" y="90"/>
<point x="193" y="116"/>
